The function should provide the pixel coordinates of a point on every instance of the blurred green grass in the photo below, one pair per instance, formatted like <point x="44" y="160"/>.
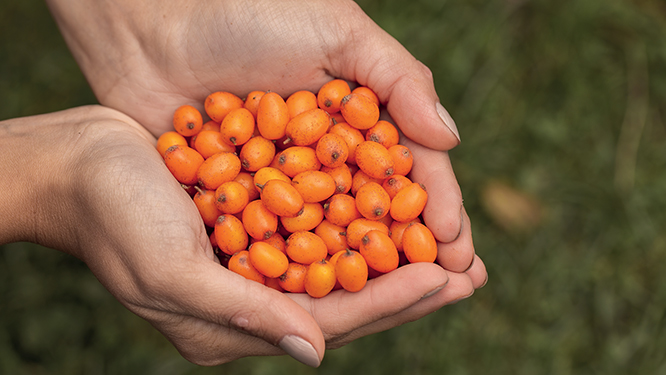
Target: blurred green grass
<point x="560" y="101"/>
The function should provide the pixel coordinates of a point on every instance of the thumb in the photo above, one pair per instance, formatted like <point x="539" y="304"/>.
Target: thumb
<point x="217" y="316"/>
<point x="404" y="84"/>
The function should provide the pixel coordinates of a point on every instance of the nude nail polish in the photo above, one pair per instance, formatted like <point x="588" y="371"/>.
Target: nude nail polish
<point x="300" y="350"/>
<point x="448" y="120"/>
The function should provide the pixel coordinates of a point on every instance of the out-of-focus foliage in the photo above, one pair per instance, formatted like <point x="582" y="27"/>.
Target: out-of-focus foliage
<point x="561" y="109"/>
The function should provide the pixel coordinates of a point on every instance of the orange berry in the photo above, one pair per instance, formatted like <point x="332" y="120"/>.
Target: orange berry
<point x="230" y="235"/>
<point x="265" y="174"/>
<point x="301" y="101"/>
<point x="409" y="202"/>
<point x="306" y="247"/>
<point x="320" y="278"/>
<point x="183" y="162"/>
<point x="237" y="126"/>
<point x="268" y="260"/>
<point x="281" y="198"/>
<point x="372" y="201"/>
<point x="297" y="159"/>
<point x="240" y="263"/>
<point x="220" y="103"/>
<point x="351" y="270"/>
<point x="259" y="222"/>
<point x="210" y="142"/>
<point x="231" y="197"/>
<point x="397" y="229"/>
<point x="331" y="93"/>
<point x="306" y="128"/>
<point x="205" y="202"/>
<point x="360" y="178"/>
<point x="395" y="183"/>
<point x="360" y="227"/>
<point x="217" y="169"/>
<point x="383" y="132"/>
<point x="274" y="283"/>
<point x="359" y="111"/>
<point x="379" y="251"/>
<point x="252" y="100"/>
<point x="314" y="186"/>
<point x="187" y="120"/>
<point x="374" y="159"/>
<point x="272" y="116"/>
<point x="334" y="236"/>
<point x="294" y="279"/>
<point x="211" y="126"/>
<point x="352" y="136"/>
<point x="276" y="240"/>
<point x="247" y="180"/>
<point x="342" y="177"/>
<point x="402" y="159"/>
<point x="341" y="209"/>
<point x="307" y="219"/>
<point x="168" y="139"/>
<point x="332" y="150"/>
<point x="368" y="92"/>
<point x="256" y="153"/>
<point x="419" y="244"/>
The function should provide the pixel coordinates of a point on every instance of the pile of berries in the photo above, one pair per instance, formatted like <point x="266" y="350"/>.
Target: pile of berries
<point x="306" y="194"/>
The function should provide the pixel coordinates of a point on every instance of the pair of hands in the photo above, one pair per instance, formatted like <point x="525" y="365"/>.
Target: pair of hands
<point x="111" y="201"/>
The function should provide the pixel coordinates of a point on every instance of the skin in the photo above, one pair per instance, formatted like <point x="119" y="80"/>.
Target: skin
<point x="101" y="191"/>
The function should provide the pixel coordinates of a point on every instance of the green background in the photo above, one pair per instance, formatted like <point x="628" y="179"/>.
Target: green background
<point x="561" y="109"/>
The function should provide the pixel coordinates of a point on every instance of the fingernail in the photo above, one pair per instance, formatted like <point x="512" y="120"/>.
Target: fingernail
<point x="462" y="222"/>
<point x="434" y="291"/>
<point x="460" y="299"/>
<point x="300" y="350"/>
<point x="448" y="120"/>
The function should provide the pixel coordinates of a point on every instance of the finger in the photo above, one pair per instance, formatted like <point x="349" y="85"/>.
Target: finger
<point x="403" y="83"/>
<point x="458" y="287"/>
<point x="342" y="312"/>
<point x="458" y="255"/>
<point x="478" y="273"/>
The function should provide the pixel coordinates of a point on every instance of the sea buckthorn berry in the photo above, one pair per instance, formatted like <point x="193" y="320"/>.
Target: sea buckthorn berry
<point x="332" y="150"/>
<point x="310" y="216"/>
<point x="263" y="175"/>
<point x="320" y="278"/>
<point x="205" y="202"/>
<point x="383" y="132"/>
<point x="351" y="270"/>
<point x="297" y="159"/>
<point x="217" y="169"/>
<point x="340" y="209"/>
<point x="402" y="159"/>
<point x="256" y="153"/>
<point x="220" y="103"/>
<point x="409" y="202"/>
<point x="268" y="260"/>
<point x="419" y="244"/>
<point x="294" y="279"/>
<point x="237" y="126"/>
<point x="230" y="235"/>
<point x="314" y="186"/>
<point x="187" y="120"/>
<point x="276" y="240"/>
<point x="301" y="101"/>
<point x="183" y="162"/>
<point x="359" y="111"/>
<point x="306" y="128"/>
<point x="352" y="136"/>
<point x="273" y="283"/>
<point x="331" y="93"/>
<point x="306" y="247"/>
<point x="361" y="178"/>
<point x="259" y="222"/>
<point x="397" y="229"/>
<point x="240" y="263"/>
<point x="379" y="251"/>
<point x="359" y="227"/>
<point x="281" y="198"/>
<point x="366" y="91"/>
<point x="231" y="197"/>
<point x="372" y="201"/>
<point x="272" y="116"/>
<point x="334" y="236"/>
<point x="342" y="176"/>
<point x="168" y="139"/>
<point x="395" y="183"/>
<point x="211" y="125"/>
<point x="247" y="180"/>
<point x="374" y="159"/>
<point x="252" y="100"/>
<point x="210" y="142"/>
